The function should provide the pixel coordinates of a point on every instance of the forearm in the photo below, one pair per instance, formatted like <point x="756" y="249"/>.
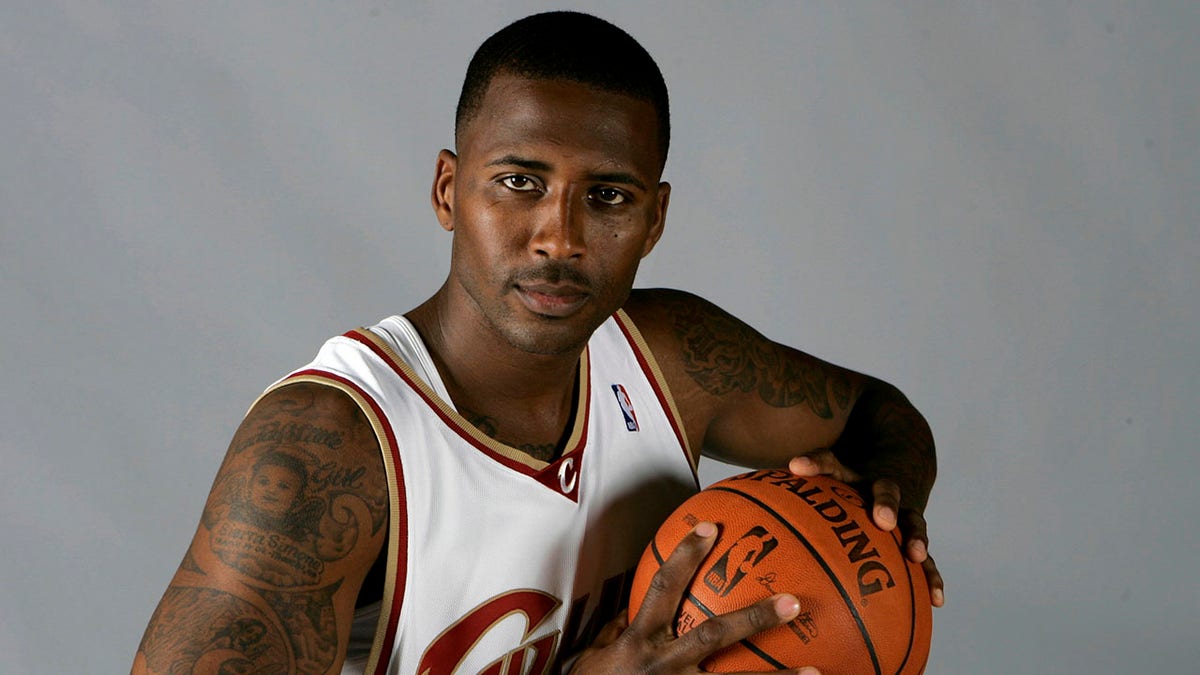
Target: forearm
<point x="886" y="437"/>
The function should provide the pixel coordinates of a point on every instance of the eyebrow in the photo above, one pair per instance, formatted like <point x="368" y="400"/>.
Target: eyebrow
<point x="513" y="160"/>
<point x="619" y="177"/>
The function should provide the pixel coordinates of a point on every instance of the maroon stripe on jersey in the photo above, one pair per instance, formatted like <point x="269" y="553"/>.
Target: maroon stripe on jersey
<point x="658" y="391"/>
<point x="543" y="475"/>
<point x="401" y="527"/>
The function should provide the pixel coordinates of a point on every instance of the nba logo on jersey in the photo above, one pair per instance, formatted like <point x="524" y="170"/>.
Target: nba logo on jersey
<point x="626" y="407"/>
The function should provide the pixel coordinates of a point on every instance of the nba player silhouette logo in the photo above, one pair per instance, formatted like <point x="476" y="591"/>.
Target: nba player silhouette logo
<point x="739" y="559"/>
<point x="631" y="422"/>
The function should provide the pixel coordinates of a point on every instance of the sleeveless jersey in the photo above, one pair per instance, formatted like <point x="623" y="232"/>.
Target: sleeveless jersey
<point x="498" y="562"/>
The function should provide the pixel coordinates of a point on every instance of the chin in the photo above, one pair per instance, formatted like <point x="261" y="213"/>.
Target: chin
<point x="548" y="340"/>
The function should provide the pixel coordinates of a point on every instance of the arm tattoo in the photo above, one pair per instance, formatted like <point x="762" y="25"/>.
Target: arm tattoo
<point x="285" y="515"/>
<point x="724" y="355"/>
<point x="292" y="505"/>
<point x="189" y="563"/>
<point x="284" y="505"/>
<point x="309" y="622"/>
<point x="202" y="630"/>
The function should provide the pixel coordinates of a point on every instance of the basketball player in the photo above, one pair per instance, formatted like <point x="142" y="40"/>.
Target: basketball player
<point x="489" y="466"/>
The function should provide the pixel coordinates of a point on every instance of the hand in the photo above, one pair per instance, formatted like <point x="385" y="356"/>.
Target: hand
<point x="648" y="643"/>
<point x="885" y="500"/>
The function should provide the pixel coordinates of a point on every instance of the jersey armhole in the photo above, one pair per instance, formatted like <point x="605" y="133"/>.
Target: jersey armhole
<point x="658" y="381"/>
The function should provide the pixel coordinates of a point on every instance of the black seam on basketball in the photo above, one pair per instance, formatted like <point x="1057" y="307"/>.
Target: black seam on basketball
<point x="655" y="553"/>
<point x="744" y="642"/>
<point x="912" y="603"/>
<point x="862" y="628"/>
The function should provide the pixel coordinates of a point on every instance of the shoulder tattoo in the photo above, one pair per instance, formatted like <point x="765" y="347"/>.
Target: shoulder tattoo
<point x="292" y="496"/>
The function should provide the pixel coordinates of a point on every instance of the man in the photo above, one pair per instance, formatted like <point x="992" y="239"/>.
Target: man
<point x="487" y="469"/>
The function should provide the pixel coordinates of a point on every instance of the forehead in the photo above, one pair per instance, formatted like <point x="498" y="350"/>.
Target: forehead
<point x="276" y="469"/>
<point x="521" y="116"/>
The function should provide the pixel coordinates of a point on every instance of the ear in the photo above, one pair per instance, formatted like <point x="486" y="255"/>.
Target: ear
<point x="660" y="218"/>
<point x="442" y="195"/>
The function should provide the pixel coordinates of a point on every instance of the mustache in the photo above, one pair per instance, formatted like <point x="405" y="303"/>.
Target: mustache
<point x="552" y="272"/>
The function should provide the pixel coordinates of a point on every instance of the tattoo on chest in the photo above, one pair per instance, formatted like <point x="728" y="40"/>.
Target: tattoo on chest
<point x="541" y="451"/>
<point x="723" y="355"/>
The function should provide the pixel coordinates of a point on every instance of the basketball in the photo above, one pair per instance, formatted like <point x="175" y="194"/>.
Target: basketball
<point x="864" y="607"/>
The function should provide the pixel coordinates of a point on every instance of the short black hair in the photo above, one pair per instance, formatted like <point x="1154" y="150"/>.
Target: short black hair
<point x="284" y="460"/>
<point x="568" y="46"/>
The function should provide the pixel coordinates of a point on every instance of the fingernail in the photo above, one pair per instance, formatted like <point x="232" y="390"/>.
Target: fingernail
<point x="939" y="598"/>
<point x="887" y="517"/>
<point x="706" y="529"/>
<point x="787" y="606"/>
<point x="802" y="464"/>
<point x="809" y="671"/>
<point x="918" y="548"/>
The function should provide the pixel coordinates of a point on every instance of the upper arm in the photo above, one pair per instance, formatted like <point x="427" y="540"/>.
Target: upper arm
<point x="295" y="519"/>
<point x="744" y="399"/>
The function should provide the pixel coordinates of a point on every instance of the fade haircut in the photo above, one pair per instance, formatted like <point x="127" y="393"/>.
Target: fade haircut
<point x="568" y="46"/>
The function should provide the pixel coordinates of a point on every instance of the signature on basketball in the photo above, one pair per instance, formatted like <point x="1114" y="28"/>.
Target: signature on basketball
<point x="804" y="625"/>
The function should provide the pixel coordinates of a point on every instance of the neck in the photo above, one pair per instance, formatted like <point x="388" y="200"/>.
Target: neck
<point x="482" y="371"/>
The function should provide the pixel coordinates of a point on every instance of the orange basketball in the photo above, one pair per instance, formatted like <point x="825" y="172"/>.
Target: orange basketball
<point x="864" y="608"/>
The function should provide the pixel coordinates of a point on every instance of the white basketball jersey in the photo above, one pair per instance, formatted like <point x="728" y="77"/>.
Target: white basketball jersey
<point x="499" y="563"/>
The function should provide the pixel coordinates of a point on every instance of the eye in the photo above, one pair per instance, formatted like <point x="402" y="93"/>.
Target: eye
<point x="518" y="183"/>
<point x="609" y="196"/>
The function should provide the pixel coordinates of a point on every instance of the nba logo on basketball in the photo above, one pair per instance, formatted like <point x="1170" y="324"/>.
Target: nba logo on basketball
<point x="741" y="557"/>
<point x="626" y="407"/>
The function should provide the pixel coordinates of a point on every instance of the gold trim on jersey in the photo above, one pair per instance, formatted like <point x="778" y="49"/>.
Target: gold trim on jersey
<point x="395" y="517"/>
<point x="660" y="380"/>
<point x="579" y="423"/>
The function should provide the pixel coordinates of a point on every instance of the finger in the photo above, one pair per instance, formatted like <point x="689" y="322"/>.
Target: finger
<point x="916" y="540"/>
<point x="885" y="497"/>
<point x="612" y="630"/>
<point x="656" y="616"/>
<point x="821" y="461"/>
<point x="937" y="588"/>
<point x="720" y="631"/>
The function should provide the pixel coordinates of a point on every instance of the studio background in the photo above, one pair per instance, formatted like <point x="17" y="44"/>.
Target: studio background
<point x="992" y="205"/>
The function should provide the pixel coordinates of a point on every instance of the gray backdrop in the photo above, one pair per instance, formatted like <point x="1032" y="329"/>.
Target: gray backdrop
<point x="993" y="205"/>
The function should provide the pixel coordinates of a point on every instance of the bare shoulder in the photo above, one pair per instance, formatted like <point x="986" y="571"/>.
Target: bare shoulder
<point x="664" y="315"/>
<point x="318" y="430"/>
<point x="296" y="516"/>
<point x="698" y="347"/>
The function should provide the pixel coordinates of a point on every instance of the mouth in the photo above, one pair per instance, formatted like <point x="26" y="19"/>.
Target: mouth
<point x="550" y="299"/>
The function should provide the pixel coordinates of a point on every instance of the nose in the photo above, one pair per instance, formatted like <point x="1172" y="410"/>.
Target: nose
<point x="559" y="227"/>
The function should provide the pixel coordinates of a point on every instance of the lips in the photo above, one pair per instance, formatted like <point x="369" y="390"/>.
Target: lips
<point x="550" y="299"/>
